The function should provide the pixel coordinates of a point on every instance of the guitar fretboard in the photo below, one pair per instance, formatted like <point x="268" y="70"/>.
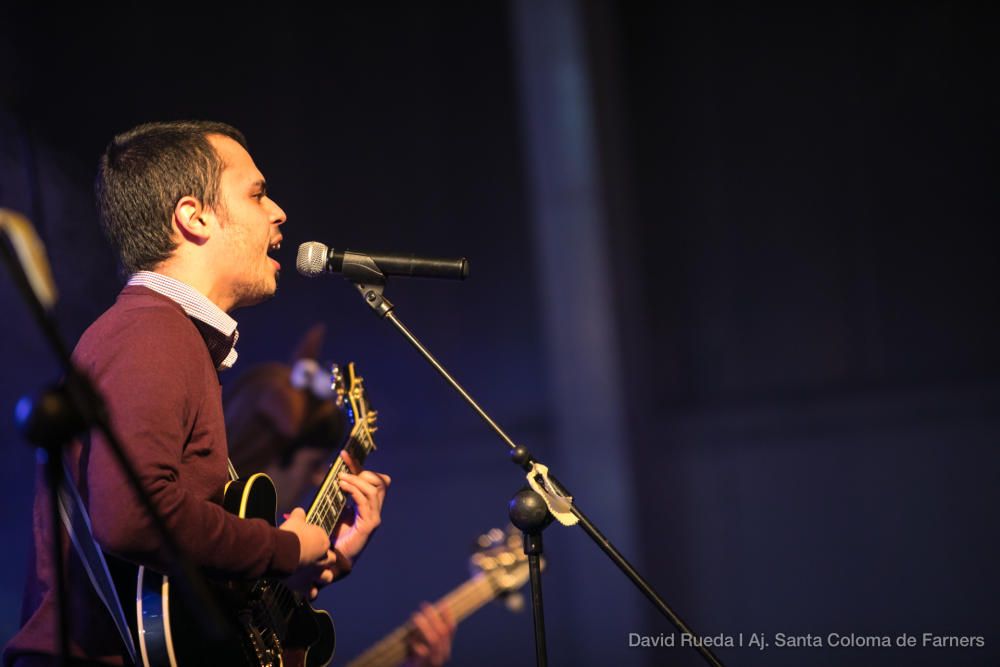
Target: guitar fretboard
<point x="330" y="499"/>
<point x="390" y="651"/>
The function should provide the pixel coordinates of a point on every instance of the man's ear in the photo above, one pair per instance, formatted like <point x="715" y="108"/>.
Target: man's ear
<point x="191" y="220"/>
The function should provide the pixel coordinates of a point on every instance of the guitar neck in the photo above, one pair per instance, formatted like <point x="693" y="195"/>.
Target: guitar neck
<point x="330" y="500"/>
<point x="390" y="651"/>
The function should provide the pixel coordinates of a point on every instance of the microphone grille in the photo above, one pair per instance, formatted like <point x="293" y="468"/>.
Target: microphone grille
<point x="311" y="260"/>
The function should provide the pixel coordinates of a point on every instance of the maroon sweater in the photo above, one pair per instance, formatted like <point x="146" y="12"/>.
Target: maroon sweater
<point x="153" y="366"/>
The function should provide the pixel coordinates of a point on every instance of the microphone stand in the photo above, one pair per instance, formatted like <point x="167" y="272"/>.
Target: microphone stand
<point x="370" y="282"/>
<point x="51" y="421"/>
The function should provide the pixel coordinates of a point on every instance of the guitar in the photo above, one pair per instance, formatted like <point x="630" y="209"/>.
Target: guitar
<point x="273" y="625"/>
<point x="500" y="568"/>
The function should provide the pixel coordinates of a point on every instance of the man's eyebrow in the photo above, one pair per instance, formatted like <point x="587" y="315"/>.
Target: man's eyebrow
<point x="260" y="183"/>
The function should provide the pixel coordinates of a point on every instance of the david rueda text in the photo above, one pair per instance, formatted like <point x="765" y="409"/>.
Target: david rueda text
<point x="753" y="640"/>
<point x="757" y="640"/>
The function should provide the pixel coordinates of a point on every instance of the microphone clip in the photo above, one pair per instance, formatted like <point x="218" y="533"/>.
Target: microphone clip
<point x="362" y="270"/>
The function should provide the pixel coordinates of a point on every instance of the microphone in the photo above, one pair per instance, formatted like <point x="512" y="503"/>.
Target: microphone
<point x="316" y="258"/>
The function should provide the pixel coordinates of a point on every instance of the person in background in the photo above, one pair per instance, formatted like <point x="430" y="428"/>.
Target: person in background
<point x="283" y="420"/>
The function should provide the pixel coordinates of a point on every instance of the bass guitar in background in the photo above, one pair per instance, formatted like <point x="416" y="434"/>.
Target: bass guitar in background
<point x="499" y="569"/>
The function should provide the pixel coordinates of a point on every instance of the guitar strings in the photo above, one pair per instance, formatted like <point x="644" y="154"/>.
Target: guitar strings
<point x="324" y="513"/>
<point x="324" y="510"/>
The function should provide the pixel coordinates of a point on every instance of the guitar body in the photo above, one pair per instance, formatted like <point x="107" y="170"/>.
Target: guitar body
<point x="273" y="627"/>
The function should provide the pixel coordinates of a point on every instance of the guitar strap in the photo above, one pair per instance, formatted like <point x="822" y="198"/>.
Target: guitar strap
<point x="77" y="522"/>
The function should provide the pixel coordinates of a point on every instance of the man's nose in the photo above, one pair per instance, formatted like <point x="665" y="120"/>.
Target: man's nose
<point x="278" y="215"/>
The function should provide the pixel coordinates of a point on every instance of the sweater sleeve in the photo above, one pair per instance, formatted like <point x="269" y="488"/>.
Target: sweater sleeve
<point x="152" y="378"/>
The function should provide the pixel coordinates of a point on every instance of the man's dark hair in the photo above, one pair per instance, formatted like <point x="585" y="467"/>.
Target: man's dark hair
<point x="142" y="175"/>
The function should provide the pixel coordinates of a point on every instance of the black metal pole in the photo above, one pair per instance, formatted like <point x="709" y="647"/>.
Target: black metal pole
<point x="529" y="512"/>
<point x="541" y="657"/>
<point x="53" y="474"/>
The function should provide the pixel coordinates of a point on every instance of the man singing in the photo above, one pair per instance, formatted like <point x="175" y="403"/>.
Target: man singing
<point x="189" y="214"/>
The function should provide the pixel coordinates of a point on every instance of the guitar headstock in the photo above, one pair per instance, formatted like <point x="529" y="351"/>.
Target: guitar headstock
<point x="501" y="559"/>
<point x="359" y="412"/>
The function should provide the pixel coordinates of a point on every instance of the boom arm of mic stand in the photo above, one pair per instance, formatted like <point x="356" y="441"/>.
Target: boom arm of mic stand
<point x="372" y="291"/>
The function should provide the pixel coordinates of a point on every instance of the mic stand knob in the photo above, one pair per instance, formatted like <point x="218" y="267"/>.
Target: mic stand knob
<point x="528" y="512"/>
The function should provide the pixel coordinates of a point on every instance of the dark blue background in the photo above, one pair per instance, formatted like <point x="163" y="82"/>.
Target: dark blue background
<point x="797" y="211"/>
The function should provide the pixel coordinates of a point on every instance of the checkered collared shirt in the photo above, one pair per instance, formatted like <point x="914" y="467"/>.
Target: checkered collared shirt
<point x="216" y="326"/>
